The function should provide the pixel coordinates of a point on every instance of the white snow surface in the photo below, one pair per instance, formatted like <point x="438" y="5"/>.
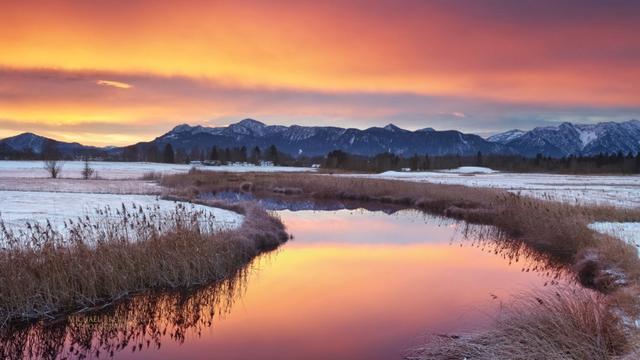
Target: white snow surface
<point x="471" y="170"/>
<point x="622" y="191"/>
<point x="629" y="232"/>
<point x="587" y="136"/>
<point x="140" y="187"/>
<point x="125" y="170"/>
<point x="19" y="207"/>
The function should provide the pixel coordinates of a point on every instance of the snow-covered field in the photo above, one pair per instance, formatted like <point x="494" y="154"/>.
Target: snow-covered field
<point x="629" y="232"/>
<point x="20" y="207"/>
<point x="470" y="170"/>
<point x="124" y="170"/>
<point x="141" y="187"/>
<point x="583" y="189"/>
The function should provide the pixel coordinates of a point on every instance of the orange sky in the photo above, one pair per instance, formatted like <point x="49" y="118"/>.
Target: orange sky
<point x="105" y="71"/>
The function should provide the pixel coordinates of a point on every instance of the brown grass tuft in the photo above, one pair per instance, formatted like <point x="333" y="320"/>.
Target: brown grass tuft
<point x="45" y="272"/>
<point x="569" y="323"/>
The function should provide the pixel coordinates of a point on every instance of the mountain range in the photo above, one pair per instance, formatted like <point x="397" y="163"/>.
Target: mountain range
<point x="318" y="141"/>
<point x="554" y="141"/>
<point x="574" y="139"/>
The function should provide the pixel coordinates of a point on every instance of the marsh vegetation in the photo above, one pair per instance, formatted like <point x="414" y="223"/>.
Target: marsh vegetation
<point x="46" y="272"/>
<point x="603" y="263"/>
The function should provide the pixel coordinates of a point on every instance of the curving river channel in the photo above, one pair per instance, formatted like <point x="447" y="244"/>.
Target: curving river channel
<point x="352" y="284"/>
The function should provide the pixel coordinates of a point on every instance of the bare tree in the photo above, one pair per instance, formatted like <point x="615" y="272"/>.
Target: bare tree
<point x="53" y="167"/>
<point x="87" y="170"/>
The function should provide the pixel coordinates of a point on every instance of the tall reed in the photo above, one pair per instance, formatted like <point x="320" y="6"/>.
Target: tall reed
<point x="96" y="260"/>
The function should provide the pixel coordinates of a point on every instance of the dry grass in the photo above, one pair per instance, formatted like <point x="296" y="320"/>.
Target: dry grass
<point x="557" y="229"/>
<point x="45" y="272"/>
<point x="569" y="323"/>
<point x="151" y="176"/>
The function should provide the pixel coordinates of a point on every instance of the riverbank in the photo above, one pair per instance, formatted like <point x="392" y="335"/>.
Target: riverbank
<point x="98" y="261"/>
<point x="600" y="262"/>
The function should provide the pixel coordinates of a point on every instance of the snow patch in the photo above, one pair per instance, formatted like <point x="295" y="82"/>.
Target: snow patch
<point x="126" y="170"/>
<point x="20" y="207"/>
<point x="471" y="170"/>
<point x="622" y="191"/>
<point x="587" y="136"/>
<point x="629" y="232"/>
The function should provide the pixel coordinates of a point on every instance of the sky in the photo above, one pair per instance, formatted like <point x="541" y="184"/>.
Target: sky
<point x="117" y="72"/>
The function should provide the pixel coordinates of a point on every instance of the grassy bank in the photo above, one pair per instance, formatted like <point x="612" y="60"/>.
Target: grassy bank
<point x="94" y="262"/>
<point x="569" y="323"/>
<point x="606" y="264"/>
<point x="560" y="230"/>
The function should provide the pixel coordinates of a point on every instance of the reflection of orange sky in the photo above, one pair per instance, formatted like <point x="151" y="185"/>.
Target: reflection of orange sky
<point x="429" y="48"/>
<point x="372" y="228"/>
<point x="337" y="300"/>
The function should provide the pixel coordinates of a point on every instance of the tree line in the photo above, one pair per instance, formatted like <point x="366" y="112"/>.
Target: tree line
<point x="215" y="154"/>
<point x="149" y="152"/>
<point x="600" y="164"/>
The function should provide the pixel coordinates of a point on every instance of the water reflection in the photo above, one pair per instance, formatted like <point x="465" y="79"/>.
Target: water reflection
<point x="491" y="240"/>
<point x="134" y="325"/>
<point x="351" y="285"/>
<point x="295" y="203"/>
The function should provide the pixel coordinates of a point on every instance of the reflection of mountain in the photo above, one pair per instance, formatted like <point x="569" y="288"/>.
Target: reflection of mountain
<point x="279" y="203"/>
<point x="133" y="325"/>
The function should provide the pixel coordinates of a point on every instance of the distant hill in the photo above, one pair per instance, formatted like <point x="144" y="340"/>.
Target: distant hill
<point x="29" y="145"/>
<point x="574" y="139"/>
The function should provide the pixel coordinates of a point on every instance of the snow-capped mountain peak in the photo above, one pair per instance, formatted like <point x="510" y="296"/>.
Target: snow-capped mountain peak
<point x="392" y="127"/>
<point x="506" y="136"/>
<point x="26" y="141"/>
<point x="250" y="124"/>
<point x="182" y="128"/>
<point x="574" y="139"/>
<point x="247" y="127"/>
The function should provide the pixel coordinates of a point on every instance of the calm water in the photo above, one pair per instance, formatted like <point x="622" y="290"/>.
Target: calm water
<point x="351" y="285"/>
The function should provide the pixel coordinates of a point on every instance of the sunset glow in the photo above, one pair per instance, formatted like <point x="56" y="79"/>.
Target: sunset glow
<point x="348" y="63"/>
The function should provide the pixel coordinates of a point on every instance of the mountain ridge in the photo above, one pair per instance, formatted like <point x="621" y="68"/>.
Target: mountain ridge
<point x="319" y="140"/>
<point x="561" y="140"/>
<point x="568" y="139"/>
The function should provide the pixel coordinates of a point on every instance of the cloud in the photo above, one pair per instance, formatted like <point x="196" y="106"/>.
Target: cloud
<point x="574" y="51"/>
<point x="115" y="84"/>
<point x="456" y="114"/>
<point x="69" y="105"/>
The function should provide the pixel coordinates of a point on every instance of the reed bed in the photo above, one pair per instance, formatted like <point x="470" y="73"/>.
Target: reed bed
<point x="95" y="261"/>
<point x="566" y="324"/>
<point x="560" y="230"/>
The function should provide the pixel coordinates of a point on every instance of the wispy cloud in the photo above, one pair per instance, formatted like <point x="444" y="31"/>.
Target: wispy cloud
<point x="115" y="84"/>
<point x="69" y="105"/>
